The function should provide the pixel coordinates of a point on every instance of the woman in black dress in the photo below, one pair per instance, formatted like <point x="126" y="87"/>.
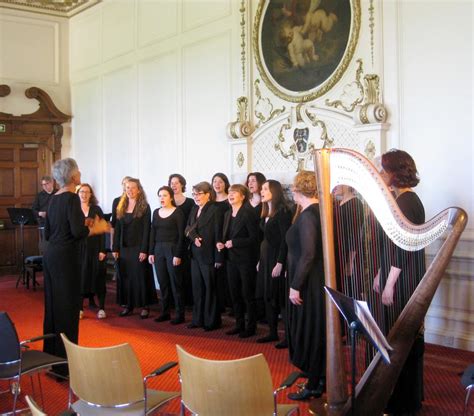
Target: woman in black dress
<point x="254" y="182"/>
<point x="399" y="275"/>
<point x="204" y="230"/>
<point x="274" y="223"/>
<point x="166" y="248"/>
<point x="239" y="242"/>
<point x="306" y="313"/>
<point x="65" y="228"/>
<point x="130" y="248"/>
<point x="93" y="254"/>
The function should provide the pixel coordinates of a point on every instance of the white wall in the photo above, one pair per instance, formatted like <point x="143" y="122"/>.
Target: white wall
<point x="34" y="51"/>
<point x="153" y="85"/>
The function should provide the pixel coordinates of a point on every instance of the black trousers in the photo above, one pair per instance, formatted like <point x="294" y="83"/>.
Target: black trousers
<point x="205" y="309"/>
<point x="242" y="282"/>
<point x="170" y="278"/>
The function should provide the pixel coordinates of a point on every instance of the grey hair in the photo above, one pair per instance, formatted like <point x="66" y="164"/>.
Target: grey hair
<point x="63" y="171"/>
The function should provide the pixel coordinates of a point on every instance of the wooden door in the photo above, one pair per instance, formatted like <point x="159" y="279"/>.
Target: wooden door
<point x="21" y="169"/>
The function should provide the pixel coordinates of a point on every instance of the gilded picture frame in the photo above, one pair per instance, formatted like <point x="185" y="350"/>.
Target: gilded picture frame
<point x="302" y="48"/>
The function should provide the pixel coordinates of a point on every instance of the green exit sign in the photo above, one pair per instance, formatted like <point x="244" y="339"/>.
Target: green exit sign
<point x="3" y="128"/>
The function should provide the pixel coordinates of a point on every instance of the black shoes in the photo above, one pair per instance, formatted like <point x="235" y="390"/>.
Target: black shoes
<point x="306" y="394"/>
<point x="126" y="312"/>
<point x="163" y="317"/>
<point x="176" y="321"/>
<point x="211" y="328"/>
<point x="268" y="338"/>
<point x="281" y="345"/>
<point x="247" y="333"/>
<point x="234" y="331"/>
<point x="145" y="313"/>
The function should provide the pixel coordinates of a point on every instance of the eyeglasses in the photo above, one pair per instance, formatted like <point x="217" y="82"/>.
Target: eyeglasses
<point x="84" y="192"/>
<point x="195" y="194"/>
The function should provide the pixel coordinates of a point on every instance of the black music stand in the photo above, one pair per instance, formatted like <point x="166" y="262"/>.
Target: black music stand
<point x="359" y="319"/>
<point x="22" y="217"/>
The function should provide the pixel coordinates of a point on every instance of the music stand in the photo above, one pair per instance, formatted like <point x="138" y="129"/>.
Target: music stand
<point x="359" y="319"/>
<point x="21" y="217"/>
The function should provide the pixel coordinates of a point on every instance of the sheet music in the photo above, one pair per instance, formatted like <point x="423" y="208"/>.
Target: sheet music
<point x="373" y="330"/>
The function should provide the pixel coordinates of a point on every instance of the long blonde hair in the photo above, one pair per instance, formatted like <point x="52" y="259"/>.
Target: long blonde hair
<point x="141" y="205"/>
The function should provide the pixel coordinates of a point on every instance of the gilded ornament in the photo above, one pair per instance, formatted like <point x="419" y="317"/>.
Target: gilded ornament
<point x="370" y="150"/>
<point x="242" y="127"/>
<point x="371" y="26"/>
<point x="354" y="91"/>
<point x="242" y="43"/>
<point x="240" y="159"/>
<point x="264" y="110"/>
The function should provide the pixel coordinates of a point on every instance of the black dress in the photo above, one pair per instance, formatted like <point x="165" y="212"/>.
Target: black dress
<point x="407" y="395"/>
<point x="93" y="271"/>
<point x="64" y="230"/>
<point x="136" y="284"/>
<point x="222" y="286"/>
<point x="306" y="322"/>
<point x="186" y="207"/>
<point x="273" y="250"/>
<point x="166" y="242"/>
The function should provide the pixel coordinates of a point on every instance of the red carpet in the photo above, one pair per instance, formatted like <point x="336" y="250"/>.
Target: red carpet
<point x="155" y="344"/>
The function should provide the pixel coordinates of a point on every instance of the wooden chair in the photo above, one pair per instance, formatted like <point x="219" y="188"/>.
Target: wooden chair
<point x="109" y="381"/>
<point x="34" y="408"/>
<point x="230" y="388"/>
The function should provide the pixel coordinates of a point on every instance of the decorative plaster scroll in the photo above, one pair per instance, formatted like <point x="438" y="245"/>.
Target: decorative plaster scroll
<point x="372" y="111"/>
<point x="264" y="108"/>
<point x="301" y="134"/>
<point x="353" y="94"/>
<point x="242" y="127"/>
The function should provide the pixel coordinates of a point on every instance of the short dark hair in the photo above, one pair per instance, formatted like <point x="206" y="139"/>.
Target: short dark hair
<point x="402" y="167"/>
<point x="207" y="188"/>
<point x="181" y="180"/>
<point x="224" y="177"/>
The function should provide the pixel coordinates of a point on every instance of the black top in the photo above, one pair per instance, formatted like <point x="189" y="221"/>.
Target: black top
<point x="65" y="220"/>
<point x="168" y="230"/>
<point x="41" y="203"/>
<point x="242" y="230"/>
<point x="208" y="227"/>
<point x="133" y="231"/>
<point x="113" y="219"/>
<point x="186" y="207"/>
<point x="274" y="232"/>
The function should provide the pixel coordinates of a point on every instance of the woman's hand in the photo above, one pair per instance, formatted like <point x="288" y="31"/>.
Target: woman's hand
<point x="220" y="246"/>
<point x="295" y="297"/>
<point x="176" y="261"/>
<point x="151" y="259"/>
<point x="217" y="265"/>
<point x="228" y="244"/>
<point x="142" y="257"/>
<point x="115" y="255"/>
<point x="197" y="241"/>
<point x="376" y="285"/>
<point x="102" y="256"/>
<point x="258" y="265"/>
<point x="387" y="295"/>
<point x="276" y="272"/>
<point x="98" y="226"/>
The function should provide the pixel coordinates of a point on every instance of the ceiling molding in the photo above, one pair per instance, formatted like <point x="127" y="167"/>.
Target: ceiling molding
<point x="61" y="8"/>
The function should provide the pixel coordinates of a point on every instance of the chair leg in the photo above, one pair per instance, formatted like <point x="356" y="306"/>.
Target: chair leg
<point x="16" y="388"/>
<point x="183" y="409"/>
<point x="466" y="400"/>
<point x="41" y="390"/>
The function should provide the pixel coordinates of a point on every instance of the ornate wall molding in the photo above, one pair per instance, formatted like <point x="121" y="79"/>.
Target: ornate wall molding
<point x="353" y="93"/>
<point x="242" y="127"/>
<point x="264" y="109"/>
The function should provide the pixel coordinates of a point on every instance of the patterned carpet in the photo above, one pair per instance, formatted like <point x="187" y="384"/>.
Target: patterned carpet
<point x="155" y="344"/>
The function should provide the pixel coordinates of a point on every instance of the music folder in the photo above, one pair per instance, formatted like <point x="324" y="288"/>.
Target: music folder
<point x="358" y="311"/>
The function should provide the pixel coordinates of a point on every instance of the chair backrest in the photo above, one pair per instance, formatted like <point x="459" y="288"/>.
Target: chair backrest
<point x="109" y="376"/>
<point x="10" y="353"/>
<point x="233" y="387"/>
<point x="35" y="410"/>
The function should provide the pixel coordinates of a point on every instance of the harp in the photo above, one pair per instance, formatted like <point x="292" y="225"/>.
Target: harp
<point x="346" y="167"/>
